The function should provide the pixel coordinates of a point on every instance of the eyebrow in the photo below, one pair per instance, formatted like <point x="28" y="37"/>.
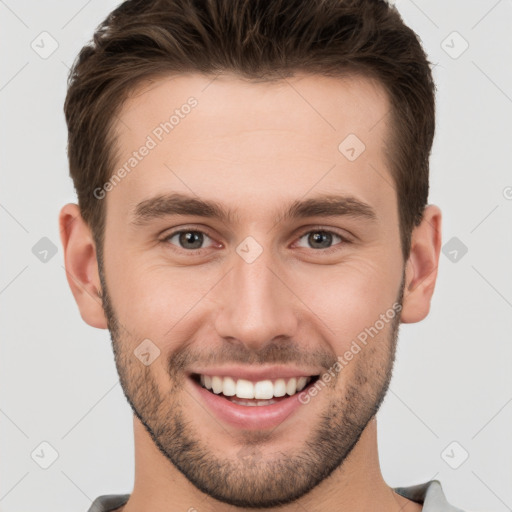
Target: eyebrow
<point x="180" y="204"/>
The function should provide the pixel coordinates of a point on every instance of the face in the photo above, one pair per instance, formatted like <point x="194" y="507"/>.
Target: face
<point x="245" y="242"/>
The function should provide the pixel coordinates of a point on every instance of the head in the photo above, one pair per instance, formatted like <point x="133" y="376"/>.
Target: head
<point x="291" y="139"/>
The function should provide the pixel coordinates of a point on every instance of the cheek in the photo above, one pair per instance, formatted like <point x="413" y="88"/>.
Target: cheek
<point x="157" y="301"/>
<point x="349" y="299"/>
<point x="164" y="303"/>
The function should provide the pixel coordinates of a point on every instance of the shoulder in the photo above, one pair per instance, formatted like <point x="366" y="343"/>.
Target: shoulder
<point x="430" y="494"/>
<point x="108" y="502"/>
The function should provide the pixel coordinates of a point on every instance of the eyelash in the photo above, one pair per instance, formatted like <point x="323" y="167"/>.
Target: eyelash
<point x="317" y="229"/>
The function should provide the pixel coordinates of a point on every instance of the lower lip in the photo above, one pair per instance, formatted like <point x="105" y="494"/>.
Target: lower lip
<point x="247" y="417"/>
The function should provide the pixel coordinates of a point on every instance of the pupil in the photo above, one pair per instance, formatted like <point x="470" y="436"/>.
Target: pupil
<point x="193" y="239"/>
<point x="318" y="237"/>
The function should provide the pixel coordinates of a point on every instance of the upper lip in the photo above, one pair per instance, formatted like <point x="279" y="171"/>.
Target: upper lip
<point x="255" y="374"/>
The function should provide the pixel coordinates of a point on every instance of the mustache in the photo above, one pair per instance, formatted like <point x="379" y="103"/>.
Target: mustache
<point x="283" y="352"/>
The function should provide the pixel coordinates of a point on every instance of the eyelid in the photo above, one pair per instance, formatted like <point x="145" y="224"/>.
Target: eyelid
<point x="304" y="231"/>
<point x="173" y="231"/>
<point x="183" y="229"/>
<point x="344" y="235"/>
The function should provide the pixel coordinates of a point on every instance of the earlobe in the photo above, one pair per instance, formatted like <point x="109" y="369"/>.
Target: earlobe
<point x="421" y="267"/>
<point x="81" y="265"/>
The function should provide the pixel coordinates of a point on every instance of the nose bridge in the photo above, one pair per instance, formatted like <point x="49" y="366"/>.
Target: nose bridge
<point x="256" y="305"/>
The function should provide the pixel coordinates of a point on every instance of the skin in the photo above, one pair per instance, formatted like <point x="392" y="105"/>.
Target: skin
<point x="254" y="148"/>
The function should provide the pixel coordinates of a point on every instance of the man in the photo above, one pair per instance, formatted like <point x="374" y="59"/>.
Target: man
<point x="287" y="143"/>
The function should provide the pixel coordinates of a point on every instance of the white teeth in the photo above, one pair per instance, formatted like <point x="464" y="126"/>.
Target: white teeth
<point x="244" y="389"/>
<point x="217" y="385"/>
<point x="279" y="387"/>
<point x="261" y="390"/>
<point x="301" y="383"/>
<point x="291" y="386"/>
<point x="264" y="389"/>
<point x="229" y="387"/>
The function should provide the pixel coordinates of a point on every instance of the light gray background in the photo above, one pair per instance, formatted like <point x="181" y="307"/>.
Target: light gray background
<point x="453" y="379"/>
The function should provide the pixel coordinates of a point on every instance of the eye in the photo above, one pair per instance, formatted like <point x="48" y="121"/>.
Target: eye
<point x="188" y="239"/>
<point x="321" y="239"/>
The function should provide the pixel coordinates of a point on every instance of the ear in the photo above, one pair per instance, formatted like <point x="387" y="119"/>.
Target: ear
<point x="81" y="265"/>
<point x="421" y="267"/>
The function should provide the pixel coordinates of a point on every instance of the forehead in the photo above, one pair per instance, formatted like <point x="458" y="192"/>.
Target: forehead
<point x="267" y="138"/>
<point x="332" y="103"/>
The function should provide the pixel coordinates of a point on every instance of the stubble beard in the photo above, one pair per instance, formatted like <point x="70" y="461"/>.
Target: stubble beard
<point x="251" y="480"/>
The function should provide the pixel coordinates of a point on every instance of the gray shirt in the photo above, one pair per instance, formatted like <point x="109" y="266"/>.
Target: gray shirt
<point x="429" y="494"/>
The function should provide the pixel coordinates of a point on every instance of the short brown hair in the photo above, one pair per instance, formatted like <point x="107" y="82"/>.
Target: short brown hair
<point x="256" y="39"/>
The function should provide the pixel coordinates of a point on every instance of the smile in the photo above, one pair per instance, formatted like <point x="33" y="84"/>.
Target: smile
<point x="263" y="390"/>
<point x="249" y="404"/>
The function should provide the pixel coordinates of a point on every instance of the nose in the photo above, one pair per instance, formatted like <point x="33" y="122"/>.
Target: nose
<point x="256" y="303"/>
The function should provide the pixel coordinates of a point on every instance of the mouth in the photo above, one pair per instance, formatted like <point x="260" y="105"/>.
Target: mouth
<point x="249" y="393"/>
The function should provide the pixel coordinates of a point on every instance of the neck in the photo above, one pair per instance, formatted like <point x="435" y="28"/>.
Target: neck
<point x="357" y="486"/>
